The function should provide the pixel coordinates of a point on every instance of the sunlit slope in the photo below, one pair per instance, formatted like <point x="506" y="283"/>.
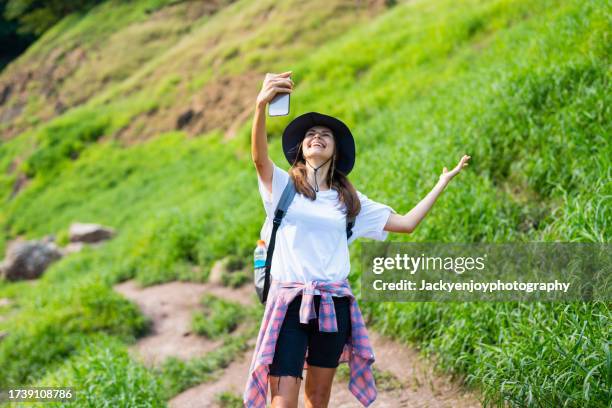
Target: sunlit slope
<point x="520" y="86"/>
<point x="86" y="53"/>
<point x="164" y="52"/>
<point x="200" y="75"/>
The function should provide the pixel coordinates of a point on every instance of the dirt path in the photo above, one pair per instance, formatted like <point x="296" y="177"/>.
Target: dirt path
<point x="233" y="379"/>
<point x="171" y="305"/>
<point x="420" y="386"/>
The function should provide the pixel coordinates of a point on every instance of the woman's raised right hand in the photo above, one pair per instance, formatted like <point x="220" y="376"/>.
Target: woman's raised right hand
<point x="273" y="84"/>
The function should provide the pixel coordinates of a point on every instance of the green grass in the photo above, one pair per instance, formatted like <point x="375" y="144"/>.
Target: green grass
<point x="385" y="380"/>
<point x="520" y="86"/>
<point x="522" y="353"/>
<point x="102" y="373"/>
<point x="56" y="317"/>
<point x="178" y="375"/>
<point x="218" y="317"/>
<point x="236" y="271"/>
<point x="229" y="399"/>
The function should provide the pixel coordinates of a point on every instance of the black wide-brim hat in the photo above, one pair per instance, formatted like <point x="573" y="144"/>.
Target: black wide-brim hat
<point x="294" y="134"/>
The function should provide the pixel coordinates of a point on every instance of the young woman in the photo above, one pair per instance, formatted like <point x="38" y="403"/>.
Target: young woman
<point x="312" y="320"/>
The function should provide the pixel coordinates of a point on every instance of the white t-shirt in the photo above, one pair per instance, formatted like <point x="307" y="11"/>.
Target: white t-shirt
<point x="311" y="241"/>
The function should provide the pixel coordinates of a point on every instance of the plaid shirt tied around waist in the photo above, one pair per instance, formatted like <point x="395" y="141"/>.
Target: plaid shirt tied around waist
<point x="357" y="351"/>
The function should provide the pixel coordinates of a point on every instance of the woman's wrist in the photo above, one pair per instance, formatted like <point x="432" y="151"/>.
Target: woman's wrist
<point x="444" y="180"/>
<point x="261" y="105"/>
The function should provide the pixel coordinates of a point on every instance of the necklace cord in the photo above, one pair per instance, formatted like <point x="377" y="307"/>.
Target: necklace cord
<point x="315" y="170"/>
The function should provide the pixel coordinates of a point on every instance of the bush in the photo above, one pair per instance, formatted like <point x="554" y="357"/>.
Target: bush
<point x="57" y="321"/>
<point x="218" y="318"/>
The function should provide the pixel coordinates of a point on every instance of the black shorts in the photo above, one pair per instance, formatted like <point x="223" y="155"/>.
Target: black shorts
<point x="324" y="348"/>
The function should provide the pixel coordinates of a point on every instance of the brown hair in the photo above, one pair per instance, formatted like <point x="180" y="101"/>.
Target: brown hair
<point x="335" y="179"/>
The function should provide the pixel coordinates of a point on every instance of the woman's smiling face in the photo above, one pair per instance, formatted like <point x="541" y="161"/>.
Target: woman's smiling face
<point x="318" y="142"/>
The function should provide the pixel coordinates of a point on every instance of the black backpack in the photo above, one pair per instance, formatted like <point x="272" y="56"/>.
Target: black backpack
<point x="262" y="280"/>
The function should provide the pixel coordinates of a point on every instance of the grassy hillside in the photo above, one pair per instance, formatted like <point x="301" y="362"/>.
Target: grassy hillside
<point x="520" y="86"/>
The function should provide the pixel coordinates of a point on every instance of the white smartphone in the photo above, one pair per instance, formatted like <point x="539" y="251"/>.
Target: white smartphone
<point x="279" y="105"/>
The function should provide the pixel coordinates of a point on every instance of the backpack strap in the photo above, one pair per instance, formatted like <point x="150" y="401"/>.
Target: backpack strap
<point x="279" y="213"/>
<point x="350" y="222"/>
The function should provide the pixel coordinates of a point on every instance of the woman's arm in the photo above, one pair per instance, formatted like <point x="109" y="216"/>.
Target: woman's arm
<point x="407" y="223"/>
<point x="259" y="147"/>
<point x="259" y="140"/>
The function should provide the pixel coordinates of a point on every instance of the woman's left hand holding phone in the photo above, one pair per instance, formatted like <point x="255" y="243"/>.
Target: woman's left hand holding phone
<point x="273" y="84"/>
